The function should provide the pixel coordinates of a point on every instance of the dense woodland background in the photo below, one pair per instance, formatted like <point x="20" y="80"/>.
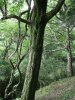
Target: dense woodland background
<point x="25" y="54"/>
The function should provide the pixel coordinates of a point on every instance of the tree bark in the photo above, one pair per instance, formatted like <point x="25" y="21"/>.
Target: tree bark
<point x="69" y="55"/>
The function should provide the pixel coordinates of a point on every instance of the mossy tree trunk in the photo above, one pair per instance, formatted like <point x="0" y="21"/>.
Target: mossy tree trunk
<point x="35" y="53"/>
<point x="39" y="20"/>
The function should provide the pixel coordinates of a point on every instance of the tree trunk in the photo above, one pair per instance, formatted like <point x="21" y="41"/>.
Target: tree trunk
<point x="35" y="53"/>
<point x="69" y="55"/>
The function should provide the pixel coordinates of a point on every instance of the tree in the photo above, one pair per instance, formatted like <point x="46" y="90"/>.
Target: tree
<point x="67" y="18"/>
<point x="37" y="19"/>
<point x="69" y="27"/>
<point x="69" y="54"/>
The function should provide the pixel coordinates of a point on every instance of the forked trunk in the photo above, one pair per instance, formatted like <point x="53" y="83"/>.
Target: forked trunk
<point x="39" y="19"/>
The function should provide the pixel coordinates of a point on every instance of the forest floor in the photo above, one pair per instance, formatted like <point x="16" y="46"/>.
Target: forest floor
<point x="60" y="90"/>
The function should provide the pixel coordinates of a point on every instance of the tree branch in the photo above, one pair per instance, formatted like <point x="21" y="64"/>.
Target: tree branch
<point x="23" y="12"/>
<point x="5" y="4"/>
<point x="48" y="52"/>
<point x="2" y="11"/>
<point x="55" y="10"/>
<point x="18" y="18"/>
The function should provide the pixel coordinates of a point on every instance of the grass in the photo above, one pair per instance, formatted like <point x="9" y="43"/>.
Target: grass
<point x="60" y="90"/>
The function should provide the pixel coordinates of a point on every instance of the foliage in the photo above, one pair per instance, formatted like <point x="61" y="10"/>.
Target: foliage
<point x="1" y="3"/>
<point x="54" y="60"/>
<point x="5" y="69"/>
